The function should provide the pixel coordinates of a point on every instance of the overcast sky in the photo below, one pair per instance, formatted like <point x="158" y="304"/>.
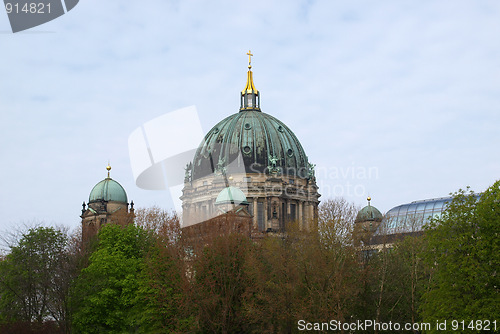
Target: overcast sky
<point x="395" y="99"/>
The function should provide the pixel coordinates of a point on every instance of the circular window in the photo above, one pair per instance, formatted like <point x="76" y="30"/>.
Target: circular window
<point x="289" y="152"/>
<point x="280" y="128"/>
<point x="247" y="150"/>
<point x="247" y="126"/>
<point x="216" y="130"/>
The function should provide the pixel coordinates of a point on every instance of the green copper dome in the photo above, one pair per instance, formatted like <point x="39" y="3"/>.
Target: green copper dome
<point x="369" y="213"/>
<point x="231" y="195"/>
<point x="262" y="142"/>
<point x="108" y="190"/>
<point x="251" y="142"/>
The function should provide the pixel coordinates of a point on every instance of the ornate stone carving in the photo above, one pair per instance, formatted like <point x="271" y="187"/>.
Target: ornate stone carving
<point x="188" y="172"/>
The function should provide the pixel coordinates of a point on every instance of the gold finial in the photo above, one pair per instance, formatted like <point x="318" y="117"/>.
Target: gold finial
<point x="250" y="99"/>
<point x="249" y="59"/>
<point x="369" y="199"/>
<point x="250" y="87"/>
<point x="108" y="168"/>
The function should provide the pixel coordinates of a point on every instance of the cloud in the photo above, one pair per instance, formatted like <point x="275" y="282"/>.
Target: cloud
<point x="410" y="87"/>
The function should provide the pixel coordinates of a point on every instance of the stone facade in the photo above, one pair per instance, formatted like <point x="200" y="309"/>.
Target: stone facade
<point x="97" y="214"/>
<point x="273" y="199"/>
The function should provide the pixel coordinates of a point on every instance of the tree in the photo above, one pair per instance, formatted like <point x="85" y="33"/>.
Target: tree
<point x="393" y="282"/>
<point x="162" y="223"/>
<point x="105" y="293"/>
<point x="309" y="275"/>
<point x="35" y="278"/>
<point x="336" y="221"/>
<point x="463" y="250"/>
<point x="273" y="301"/>
<point x="329" y="263"/>
<point x="220" y="284"/>
<point x="162" y="304"/>
<point x="135" y="280"/>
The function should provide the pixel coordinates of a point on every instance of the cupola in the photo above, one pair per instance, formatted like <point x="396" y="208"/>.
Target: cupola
<point x="108" y="190"/>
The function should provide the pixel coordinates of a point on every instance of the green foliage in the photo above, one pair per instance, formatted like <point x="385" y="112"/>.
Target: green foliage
<point x="139" y="280"/>
<point x="34" y="278"/>
<point x="463" y="249"/>
<point x="133" y="284"/>
<point x="161" y="305"/>
<point x="105" y="293"/>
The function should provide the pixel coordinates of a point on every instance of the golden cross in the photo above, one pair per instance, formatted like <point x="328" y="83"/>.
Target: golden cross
<point x="249" y="59"/>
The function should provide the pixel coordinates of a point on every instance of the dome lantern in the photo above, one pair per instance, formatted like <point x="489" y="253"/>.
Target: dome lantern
<point x="250" y="98"/>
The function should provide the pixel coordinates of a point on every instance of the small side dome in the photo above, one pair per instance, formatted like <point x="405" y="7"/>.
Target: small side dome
<point x="108" y="190"/>
<point x="369" y="213"/>
<point x="231" y="195"/>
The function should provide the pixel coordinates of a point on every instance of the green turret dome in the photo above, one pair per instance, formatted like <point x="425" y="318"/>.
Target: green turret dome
<point x="108" y="190"/>
<point x="369" y="213"/>
<point x="231" y="195"/>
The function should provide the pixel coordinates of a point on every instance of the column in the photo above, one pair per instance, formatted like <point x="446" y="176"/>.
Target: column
<point x="266" y="221"/>
<point x="254" y="208"/>
<point x="299" y="215"/>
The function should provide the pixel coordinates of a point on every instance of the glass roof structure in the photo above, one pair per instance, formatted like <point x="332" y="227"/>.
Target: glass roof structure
<point x="411" y="217"/>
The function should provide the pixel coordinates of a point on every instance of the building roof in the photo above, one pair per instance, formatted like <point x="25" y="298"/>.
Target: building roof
<point x="257" y="143"/>
<point x="411" y="217"/>
<point x="231" y="195"/>
<point x="368" y="213"/>
<point x="108" y="190"/>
